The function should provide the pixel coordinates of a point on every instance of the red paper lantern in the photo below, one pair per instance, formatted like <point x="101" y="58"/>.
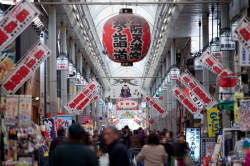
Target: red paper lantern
<point x="126" y="38"/>
<point x="151" y="120"/>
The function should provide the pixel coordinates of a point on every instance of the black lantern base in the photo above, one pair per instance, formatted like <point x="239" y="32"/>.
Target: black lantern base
<point x="127" y="64"/>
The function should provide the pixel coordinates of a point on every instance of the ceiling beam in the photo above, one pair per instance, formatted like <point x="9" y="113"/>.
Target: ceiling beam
<point x="131" y="3"/>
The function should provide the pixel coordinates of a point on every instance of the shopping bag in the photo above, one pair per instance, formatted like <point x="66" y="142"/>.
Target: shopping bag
<point x="205" y="161"/>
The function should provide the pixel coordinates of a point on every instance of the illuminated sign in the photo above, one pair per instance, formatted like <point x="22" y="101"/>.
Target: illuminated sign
<point x="193" y="138"/>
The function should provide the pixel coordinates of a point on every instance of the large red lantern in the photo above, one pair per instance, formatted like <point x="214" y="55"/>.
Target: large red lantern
<point x="126" y="38"/>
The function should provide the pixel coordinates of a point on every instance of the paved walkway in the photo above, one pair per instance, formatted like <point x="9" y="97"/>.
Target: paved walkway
<point x="104" y="160"/>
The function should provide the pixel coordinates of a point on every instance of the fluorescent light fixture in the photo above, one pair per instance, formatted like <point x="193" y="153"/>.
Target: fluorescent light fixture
<point x="74" y="7"/>
<point x="162" y="10"/>
<point x="86" y="23"/>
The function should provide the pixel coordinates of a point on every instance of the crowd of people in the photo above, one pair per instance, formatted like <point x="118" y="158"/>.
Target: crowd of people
<point x="124" y="147"/>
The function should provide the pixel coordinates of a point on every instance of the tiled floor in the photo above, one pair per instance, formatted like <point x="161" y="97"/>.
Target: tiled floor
<point x="104" y="160"/>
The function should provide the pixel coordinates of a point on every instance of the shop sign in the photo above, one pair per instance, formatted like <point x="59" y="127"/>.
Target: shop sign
<point x="164" y="86"/>
<point x="213" y="122"/>
<point x="130" y="104"/>
<point x="137" y="121"/>
<point x="73" y="75"/>
<point x="197" y="64"/>
<point x="154" y="104"/>
<point x="244" y="56"/>
<point x="243" y="33"/>
<point x="207" y="146"/>
<point x="237" y="96"/>
<point x="25" y="68"/>
<point x="25" y="105"/>
<point x="244" y="109"/>
<point x="185" y="100"/>
<point x="79" y="79"/>
<point x="62" y="62"/>
<point x="193" y="138"/>
<point x="64" y="121"/>
<point x="16" y="21"/>
<point x="50" y="127"/>
<point x="70" y="69"/>
<point x="174" y="73"/>
<point x="11" y="110"/>
<point x="226" y="44"/>
<point x="234" y="34"/>
<point x="215" y="47"/>
<point x="25" y="120"/>
<point x="201" y="93"/>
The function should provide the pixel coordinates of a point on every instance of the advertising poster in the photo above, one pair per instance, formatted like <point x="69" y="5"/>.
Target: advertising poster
<point x="244" y="110"/>
<point x="7" y="64"/>
<point x="25" y="105"/>
<point x="11" y="110"/>
<point x="193" y="138"/>
<point x="213" y="122"/>
<point x="64" y="121"/>
<point x="237" y="96"/>
<point x="127" y="104"/>
<point x="2" y="105"/>
<point x="207" y="146"/>
<point x="86" y="119"/>
<point x="126" y="114"/>
<point x="25" y="120"/>
<point x="125" y="88"/>
<point x="50" y="127"/>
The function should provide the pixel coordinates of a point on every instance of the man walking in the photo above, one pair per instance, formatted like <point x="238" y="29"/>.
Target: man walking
<point x="136" y="143"/>
<point x="73" y="152"/>
<point x="118" y="154"/>
<point x="58" y="140"/>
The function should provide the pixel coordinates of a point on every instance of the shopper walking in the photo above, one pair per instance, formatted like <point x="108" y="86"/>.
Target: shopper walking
<point x="118" y="154"/>
<point x="73" y="152"/>
<point x="126" y="136"/>
<point x="142" y="133"/>
<point x="181" y="150"/>
<point x="169" y="150"/>
<point x="169" y="135"/>
<point x="58" y="140"/>
<point x="136" y="142"/>
<point x="153" y="153"/>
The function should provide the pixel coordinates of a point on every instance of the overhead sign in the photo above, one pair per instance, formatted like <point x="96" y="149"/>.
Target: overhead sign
<point x="125" y="88"/>
<point x="154" y="104"/>
<point x="185" y="100"/>
<point x="193" y="138"/>
<point x="62" y="62"/>
<point x="197" y="64"/>
<point x="127" y="104"/>
<point x="226" y="44"/>
<point x="16" y="21"/>
<point x="244" y="109"/>
<point x="244" y="56"/>
<point x="50" y="127"/>
<point x="243" y="33"/>
<point x="70" y="69"/>
<point x="25" y="68"/>
<point x="174" y="73"/>
<point x="201" y="93"/>
<point x="213" y="122"/>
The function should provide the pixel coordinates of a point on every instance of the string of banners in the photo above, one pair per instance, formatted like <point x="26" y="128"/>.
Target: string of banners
<point x="155" y="105"/>
<point x="87" y="95"/>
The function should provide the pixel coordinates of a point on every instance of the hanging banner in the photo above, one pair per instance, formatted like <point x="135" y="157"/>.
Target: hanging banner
<point x="83" y="97"/>
<point x="193" y="138"/>
<point x="142" y="118"/>
<point x="137" y="121"/>
<point x="25" y="68"/>
<point x="70" y="69"/>
<point x="197" y="64"/>
<point x="234" y="34"/>
<point x="244" y="110"/>
<point x="174" y="73"/>
<point x="185" y="100"/>
<point x="86" y="119"/>
<point x="213" y="122"/>
<point x="226" y="44"/>
<point x="50" y="127"/>
<point x="64" y="121"/>
<point x="127" y="104"/>
<point x="11" y="110"/>
<point x="243" y="33"/>
<point x="79" y="80"/>
<point x="201" y="93"/>
<point x="25" y="120"/>
<point x="16" y="21"/>
<point x="125" y="88"/>
<point x="244" y="56"/>
<point x="154" y="104"/>
<point x="207" y="146"/>
<point x="25" y="105"/>
<point x="62" y="62"/>
<point x="237" y="96"/>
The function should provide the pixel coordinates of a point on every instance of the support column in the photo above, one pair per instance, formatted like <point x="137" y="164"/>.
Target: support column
<point x="52" y="62"/>
<point x="169" y="98"/>
<point x="174" y="103"/>
<point x="63" y="49"/>
<point x="88" y="79"/>
<point x="72" y="89"/>
<point x="225" y="59"/>
<point x="205" y="41"/>
<point x="98" y="113"/>
<point x="79" y="65"/>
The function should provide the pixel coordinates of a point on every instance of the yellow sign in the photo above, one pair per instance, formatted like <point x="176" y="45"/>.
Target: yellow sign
<point x="236" y="110"/>
<point x="213" y="122"/>
<point x="73" y="89"/>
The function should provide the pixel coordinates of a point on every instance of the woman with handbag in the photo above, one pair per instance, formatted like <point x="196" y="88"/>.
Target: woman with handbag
<point x="181" y="150"/>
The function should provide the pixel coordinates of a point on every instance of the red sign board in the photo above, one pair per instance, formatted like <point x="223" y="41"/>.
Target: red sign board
<point x="154" y="104"/>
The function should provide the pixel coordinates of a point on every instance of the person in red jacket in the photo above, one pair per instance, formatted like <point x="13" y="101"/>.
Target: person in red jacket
<point x="247" y="159"/>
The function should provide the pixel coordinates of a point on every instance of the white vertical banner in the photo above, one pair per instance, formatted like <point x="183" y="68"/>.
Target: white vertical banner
<point x="25" y="105"/>
<point x="244" y="110"/>
<point x="11" y="110"/>
<point x="244" y="56"/>
<point x="243" y="32"/>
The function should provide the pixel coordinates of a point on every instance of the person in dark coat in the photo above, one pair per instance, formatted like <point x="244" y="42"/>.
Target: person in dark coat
<point x="136" y="143"/>
<point x="73" y="152"/>
<point x="181" y="149"/>
<point x="169" y="150"/>
<point x="118" y="153"/>
<point x="58" y="140"/>
<point x="126" y="136"/>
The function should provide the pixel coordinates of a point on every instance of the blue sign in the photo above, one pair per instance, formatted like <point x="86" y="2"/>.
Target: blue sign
<point x="50" y="127"/>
